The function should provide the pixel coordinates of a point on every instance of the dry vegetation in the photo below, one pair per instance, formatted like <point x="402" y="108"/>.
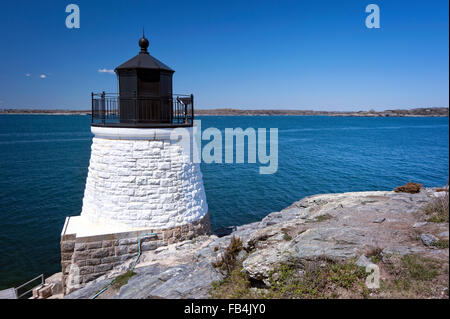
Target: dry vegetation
<point x="401" y="276"/>
<point x="321" y="278"/>
<point x="413" y="276"/>
<point x="228" y="259"/>
<point x="437" y="209"/>
<point x="411" y="188"/>
<point x="324" y="217"/>
<point x="408" y="276"/>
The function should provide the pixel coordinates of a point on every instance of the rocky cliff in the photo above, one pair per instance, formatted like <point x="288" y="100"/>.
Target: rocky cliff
<point x="317" y="247"/>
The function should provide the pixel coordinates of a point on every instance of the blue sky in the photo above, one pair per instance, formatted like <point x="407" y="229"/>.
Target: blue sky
<point x="242" y="54"/>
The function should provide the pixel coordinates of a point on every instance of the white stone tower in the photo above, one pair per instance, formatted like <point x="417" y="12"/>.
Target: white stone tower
<point x="140" y="178"/>
<point x="142" y="188"/>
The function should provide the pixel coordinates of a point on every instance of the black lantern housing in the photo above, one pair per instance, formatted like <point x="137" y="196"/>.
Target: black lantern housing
<point x="145" y="96"/>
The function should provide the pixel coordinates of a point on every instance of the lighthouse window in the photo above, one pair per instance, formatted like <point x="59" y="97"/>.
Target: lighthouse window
<point x="148" y="83"/>
<point x="127" y="85"/>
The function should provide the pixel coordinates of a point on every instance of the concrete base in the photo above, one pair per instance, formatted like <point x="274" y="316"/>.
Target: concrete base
<point x="83" y="227"/>
<point x="90" y="250"/>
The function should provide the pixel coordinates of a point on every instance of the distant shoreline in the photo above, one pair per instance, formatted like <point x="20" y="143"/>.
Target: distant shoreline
<point x="43" y="112"/>
<point x="416" y="112"/>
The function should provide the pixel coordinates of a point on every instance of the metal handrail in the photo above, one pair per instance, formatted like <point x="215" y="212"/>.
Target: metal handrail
<point x="41" y="276"/>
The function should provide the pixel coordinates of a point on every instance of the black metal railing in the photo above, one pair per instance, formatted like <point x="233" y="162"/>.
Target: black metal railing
<point x="114" y="110"/>
<point x="29" y="286"/>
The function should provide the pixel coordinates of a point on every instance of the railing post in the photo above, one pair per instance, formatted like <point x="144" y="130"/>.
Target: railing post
<point x="135" y="109"/>
<point x="185" y="115"/>
<point x="192" y="110"/>
<point x="103" y="107"/>
<point x="92" y="107"/>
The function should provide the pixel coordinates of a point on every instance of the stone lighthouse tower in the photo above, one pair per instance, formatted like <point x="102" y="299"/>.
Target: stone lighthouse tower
<point x="142" y="190"/>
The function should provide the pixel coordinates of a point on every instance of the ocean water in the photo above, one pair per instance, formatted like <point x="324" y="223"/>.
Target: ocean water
<point x="44" y="161"/>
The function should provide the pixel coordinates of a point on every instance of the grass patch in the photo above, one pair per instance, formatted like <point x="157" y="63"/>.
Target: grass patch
<point x="418" y="268"/>
<point x="441" y="244"/>
<point x="122" y="279"/>
<point x="412" y="276"/>
<point x="437" y="209"/>
<point x="236" y="285"/>
<point x="408" y="276"/>
<point x="323" y="217"/>
<point x="286" y="235"/>
<point x="346" y="275"/>
<point x="316" y="279"/>
<point x="411" y="188"/>
<point x="437" y="219"/>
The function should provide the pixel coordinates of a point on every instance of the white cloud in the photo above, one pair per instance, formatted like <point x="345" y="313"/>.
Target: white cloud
<point x="27" y="75"/>
<point x="42" y="76"/>
<point x="106" y="71"/>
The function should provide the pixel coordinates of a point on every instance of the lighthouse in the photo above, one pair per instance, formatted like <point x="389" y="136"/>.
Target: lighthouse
<point x="143" y="189"/>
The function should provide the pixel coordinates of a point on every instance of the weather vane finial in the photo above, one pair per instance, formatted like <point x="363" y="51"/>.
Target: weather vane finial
<point x="143" y="42"/>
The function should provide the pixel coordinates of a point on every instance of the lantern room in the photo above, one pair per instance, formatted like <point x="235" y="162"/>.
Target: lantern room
<point x="144" y="76"/>
<point x="145" y="97"/>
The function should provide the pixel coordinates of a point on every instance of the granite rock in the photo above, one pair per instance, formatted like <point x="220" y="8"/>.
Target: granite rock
<point x="428" y="239"/>
<point x="332" y="226"/>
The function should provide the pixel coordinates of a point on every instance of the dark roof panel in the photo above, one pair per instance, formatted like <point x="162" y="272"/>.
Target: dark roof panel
<point x="144" y="61"/>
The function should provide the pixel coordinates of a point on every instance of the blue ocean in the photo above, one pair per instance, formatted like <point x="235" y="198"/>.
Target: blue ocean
<point x="44" y="162"/>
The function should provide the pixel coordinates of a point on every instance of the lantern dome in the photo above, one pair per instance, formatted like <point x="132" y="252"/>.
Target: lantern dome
<point x="144" y="60"/>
